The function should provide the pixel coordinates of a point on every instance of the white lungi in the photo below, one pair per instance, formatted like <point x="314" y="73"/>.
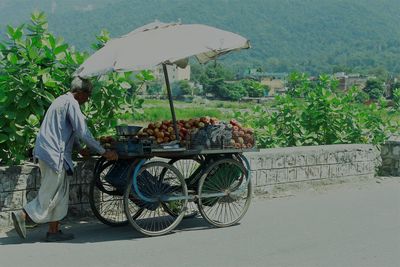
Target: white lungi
<point x="51" y="203"/>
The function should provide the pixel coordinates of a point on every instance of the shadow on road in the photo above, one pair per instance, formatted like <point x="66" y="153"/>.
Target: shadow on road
<point x="94" y="231"/>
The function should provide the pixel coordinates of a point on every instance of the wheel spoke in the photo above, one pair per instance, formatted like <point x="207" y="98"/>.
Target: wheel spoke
<point x="225" y="175"/>
<point x="188" y="167"/>
<point x="159" y="181"/>
<point x="104" y="200"/>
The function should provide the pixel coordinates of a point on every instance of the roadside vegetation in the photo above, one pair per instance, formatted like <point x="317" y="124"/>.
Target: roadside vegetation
<point x="158" y="110"/>
<point x="36" y="67"/>
<point x="317" y="113"/>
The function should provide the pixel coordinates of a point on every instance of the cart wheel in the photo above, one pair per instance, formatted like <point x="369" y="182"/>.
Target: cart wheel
<point x="106" y="202"/>
<point x="162" y="189"/>
<point x="187" y="167"/>
<point x="224" y="192"/>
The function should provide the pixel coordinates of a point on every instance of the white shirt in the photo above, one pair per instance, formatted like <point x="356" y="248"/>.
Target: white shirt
<point x="62" y="124"/>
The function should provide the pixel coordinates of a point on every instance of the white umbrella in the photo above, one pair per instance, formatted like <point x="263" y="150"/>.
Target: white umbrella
<point x="161" y="43"/>
<point x="157" y="43"/>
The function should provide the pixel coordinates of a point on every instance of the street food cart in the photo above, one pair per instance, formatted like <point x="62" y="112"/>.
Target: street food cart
<point x="154" y="186"/>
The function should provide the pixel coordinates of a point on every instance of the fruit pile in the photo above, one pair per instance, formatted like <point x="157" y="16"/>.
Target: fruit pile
<point x="242" y="137"/>
<point x="163" y="132"/>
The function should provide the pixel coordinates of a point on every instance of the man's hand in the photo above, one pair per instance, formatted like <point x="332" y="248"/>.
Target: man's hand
<point x="110" y="155"/>
<point x="85" y="153"/>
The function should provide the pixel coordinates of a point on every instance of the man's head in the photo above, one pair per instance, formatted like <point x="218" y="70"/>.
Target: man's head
<point x="81" y="89"/>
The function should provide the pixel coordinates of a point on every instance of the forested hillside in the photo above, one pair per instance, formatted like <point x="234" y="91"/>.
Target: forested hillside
<point x="304" y="35"/>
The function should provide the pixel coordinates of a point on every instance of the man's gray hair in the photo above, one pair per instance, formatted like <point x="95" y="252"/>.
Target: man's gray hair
<point x="81" y="85"/>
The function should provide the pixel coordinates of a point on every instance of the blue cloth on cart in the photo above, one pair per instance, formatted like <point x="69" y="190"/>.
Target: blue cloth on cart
<point x="118" y="174"/>
<point x="149" y="185"/>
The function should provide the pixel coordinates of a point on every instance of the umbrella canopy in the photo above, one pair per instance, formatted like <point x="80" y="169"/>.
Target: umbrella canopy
<point x="161" y="43"/>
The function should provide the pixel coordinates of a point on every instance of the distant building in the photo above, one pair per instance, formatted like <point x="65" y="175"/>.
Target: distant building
<point x="258" y="74"/>
<point x="174" y="73"/>
<point x="347" y="81"/>
<point x="276" y="81"/>
<point x="276" y="86"/>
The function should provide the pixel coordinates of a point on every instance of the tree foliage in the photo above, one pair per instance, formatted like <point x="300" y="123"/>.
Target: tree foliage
<point x="396" y="98"/>
<point x="181" y="88"/>
<point x="154" y="88"/>
<point x="254" y="88"/>
<point x="213" y="78"/>
<point x="306" y="36"/>
<point x="374" y="88"/>
<point x="220" y="81"/>
<point x="35" y="68"/>
<point x="322" y="116"/>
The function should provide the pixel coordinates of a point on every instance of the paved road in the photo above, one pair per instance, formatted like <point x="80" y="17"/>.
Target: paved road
<point x="354" y="224"/>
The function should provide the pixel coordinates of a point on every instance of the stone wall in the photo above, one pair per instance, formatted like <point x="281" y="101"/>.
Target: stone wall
<point x="298" y="164"/>
<point x="269" y="167"/>
<point x="19" y="185"/>
<point x="390" y="152"/>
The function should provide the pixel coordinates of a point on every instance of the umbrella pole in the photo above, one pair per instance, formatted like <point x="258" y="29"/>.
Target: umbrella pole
<point x="171" y="103"/>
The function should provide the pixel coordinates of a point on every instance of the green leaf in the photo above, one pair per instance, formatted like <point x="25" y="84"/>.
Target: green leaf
<point x="2" y="46"/>
<point x="51" y="83"/>
<point x="34" y="80"/>
<point x="12" y="58"/>
<point x="3" y="98"/>
<point x="12" y="137"/>
<point x="18" y="33"/>
<point x="52" y="41"/>
<point x="49" y="96"/>
<point x="38" y="110"/>
<point x="60" y="49"/>
<point x="22" y="115"/>
<point x="145" y="75"/>
<point x="20" y="133"/>
<point x="44" y="72"/>
<point x="33" y="52"/>
<point x="33" y="120"/>
<point x="24" y="101"/>
<point x="19" y="126"/>
<point x="125" y="85"/>
<point x="45" y="77"/>
<point x="11" y="115"/>
<point x="3" y="138"/>
<point x="10" y="31"/>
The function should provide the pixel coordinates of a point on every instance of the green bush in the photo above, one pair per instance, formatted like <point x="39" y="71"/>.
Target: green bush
<point x="323" y="116"/>
<point x="154" y="88"/>
<point x="35" y="68"/>
<point x="374" y="88"/>
<point x="396" y="98"/>
<point x="164" y="113"/>
<point x="232" y="91"/>
<point x="361" y="96"/>
<point x="254" y="88"/>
